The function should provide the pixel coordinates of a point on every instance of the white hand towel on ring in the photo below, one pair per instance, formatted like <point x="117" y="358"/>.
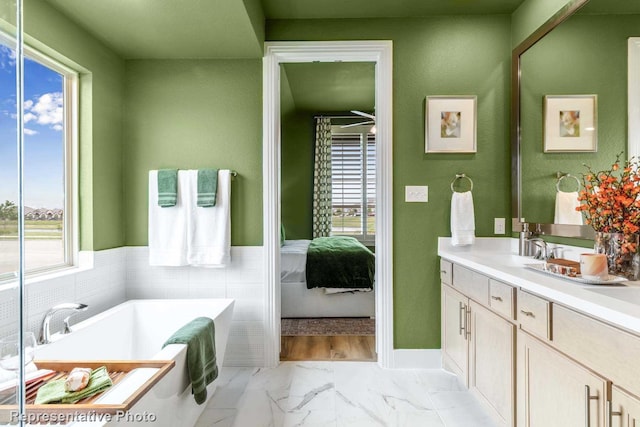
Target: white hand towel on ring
<point x="463" y="225"/>
<point x="566" y="204"/>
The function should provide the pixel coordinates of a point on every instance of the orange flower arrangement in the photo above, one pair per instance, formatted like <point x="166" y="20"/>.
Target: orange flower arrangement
<point x="610" y="198"/>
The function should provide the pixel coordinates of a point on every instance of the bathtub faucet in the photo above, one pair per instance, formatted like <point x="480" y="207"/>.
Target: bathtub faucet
<point x="45" y="332"/>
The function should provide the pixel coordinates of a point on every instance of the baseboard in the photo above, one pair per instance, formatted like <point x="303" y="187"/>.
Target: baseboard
<point x="417" y="358"/>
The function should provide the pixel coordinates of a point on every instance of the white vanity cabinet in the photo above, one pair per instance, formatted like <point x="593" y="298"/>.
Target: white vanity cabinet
<point x="554" y="391"/>
<point x="492" y="362"/>
<point x="455" y="349"/>
<point x="477" y="343"/>
<point x="623" y="410"/>
<point x="540" y="351"/>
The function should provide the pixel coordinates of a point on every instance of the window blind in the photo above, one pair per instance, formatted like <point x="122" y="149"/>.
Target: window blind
<point x="353" y="184"/>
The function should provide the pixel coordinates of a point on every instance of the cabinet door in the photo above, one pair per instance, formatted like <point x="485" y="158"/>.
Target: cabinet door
<point x="554" y="391"/>
<point x="492" y="363"/>
<point x="454" y="334"/>
<point x="625" y="409"/>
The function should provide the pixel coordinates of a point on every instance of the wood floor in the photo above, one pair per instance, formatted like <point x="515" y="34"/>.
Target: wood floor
<point x="322" y="347"/>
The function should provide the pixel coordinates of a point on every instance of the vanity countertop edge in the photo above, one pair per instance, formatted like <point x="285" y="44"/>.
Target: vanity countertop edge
<point x="498" y="259"/>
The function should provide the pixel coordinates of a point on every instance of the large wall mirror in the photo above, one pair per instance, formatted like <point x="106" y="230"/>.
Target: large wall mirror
<point x="578" y="57"/>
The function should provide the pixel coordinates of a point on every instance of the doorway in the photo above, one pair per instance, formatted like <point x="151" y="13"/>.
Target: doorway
<point x="277" y="53"/>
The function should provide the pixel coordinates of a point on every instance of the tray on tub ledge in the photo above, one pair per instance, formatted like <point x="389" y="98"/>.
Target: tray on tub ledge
<point x="118" y="370"/>
<point x="546" y="269"/>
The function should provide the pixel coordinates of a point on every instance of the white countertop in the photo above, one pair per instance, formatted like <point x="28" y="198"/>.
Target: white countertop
<point x="498" y="258"/>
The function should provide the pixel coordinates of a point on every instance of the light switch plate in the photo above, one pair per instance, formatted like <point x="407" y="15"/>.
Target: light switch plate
<point x="498" y="226"/>
<point x="416" y="193"/>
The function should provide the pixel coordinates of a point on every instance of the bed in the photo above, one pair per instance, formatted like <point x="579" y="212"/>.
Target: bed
<point x="324" y="295"/>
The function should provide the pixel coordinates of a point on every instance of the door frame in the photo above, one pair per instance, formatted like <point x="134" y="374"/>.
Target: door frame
<point x="276" y="53"/>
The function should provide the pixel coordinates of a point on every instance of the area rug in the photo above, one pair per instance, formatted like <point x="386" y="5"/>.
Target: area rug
<point x="328" y="326"/>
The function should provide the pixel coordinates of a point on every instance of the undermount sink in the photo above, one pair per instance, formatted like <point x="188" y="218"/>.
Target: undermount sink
<point x="622" y="293"/>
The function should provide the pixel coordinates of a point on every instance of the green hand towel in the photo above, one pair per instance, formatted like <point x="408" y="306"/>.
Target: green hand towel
<point x="54" y="391"/>
<point x="199" y="335"/>
<point x="167" y="187"/>
<point x="207" y="187"/>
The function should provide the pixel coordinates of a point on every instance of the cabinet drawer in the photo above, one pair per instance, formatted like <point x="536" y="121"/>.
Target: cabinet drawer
<point x="605" y="349"/>
<point x="472" y="284"/>
<point x="501" y="298"/>
<point x="534" y="314"/>
<point x="446" y="269"/>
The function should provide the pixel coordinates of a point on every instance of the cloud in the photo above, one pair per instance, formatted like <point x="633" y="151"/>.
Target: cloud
<point x="7" y="58"/>
<point x="30" y="132"/>
<point x="46" y="111"/>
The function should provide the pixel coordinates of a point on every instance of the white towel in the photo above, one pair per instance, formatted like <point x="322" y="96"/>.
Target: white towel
<point x="463" y="224"/>
<point x="168" y="226"/>
<point x="566" y="204"/>
<point x="209" y="229"/>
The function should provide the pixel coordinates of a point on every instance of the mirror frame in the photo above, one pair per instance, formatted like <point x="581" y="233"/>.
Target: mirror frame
<point x="561" y="230"/>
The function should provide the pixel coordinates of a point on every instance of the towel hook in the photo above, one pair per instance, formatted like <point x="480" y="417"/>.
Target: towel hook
<point x="460" y="176"/>
<point x="562" y="175"/>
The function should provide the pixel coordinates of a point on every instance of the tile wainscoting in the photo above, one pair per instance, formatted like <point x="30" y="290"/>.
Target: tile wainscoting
<point x="122" y="274"/>
<point x="243" y="280"/>
<point x="100" y="287"/>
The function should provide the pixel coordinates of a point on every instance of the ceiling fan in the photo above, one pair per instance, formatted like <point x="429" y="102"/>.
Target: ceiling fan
<point x="372" y="119"/>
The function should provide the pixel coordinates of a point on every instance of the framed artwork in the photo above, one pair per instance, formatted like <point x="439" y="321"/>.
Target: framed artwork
<point x="570" y="123"/>
<point x="450" y="124"/>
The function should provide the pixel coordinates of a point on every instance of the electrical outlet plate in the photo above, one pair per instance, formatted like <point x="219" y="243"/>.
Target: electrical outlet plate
<point x="416" y="193"/>
<point x="498" y="226"/>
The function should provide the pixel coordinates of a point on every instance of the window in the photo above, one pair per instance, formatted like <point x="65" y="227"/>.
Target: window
<point x="353" y="170"/>
<point x="50" y="105"/>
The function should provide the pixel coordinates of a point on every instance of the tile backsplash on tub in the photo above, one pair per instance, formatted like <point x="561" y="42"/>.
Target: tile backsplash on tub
<point x="242" y="280"/>
<point x="100" y="287"/>
<point x="124" y="273"/>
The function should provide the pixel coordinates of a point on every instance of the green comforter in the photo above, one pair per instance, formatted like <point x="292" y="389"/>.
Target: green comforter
<point x="339" y="262"/>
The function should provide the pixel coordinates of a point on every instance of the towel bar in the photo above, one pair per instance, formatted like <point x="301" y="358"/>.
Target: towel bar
<point x="460" y="176"/>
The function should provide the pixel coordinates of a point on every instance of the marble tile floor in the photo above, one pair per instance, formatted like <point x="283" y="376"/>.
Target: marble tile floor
<point x="358" y="394"/>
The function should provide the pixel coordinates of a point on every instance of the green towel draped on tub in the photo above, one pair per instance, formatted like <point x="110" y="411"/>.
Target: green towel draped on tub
<point x="54" y="391"/>
<point x="199" y="336"/>
<point x="207" y="187"/>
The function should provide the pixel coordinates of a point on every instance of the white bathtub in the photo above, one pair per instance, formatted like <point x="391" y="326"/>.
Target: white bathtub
<point x="136" y="330"/>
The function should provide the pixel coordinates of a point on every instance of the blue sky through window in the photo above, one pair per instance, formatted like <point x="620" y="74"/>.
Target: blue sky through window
<point x="43" y="133"/>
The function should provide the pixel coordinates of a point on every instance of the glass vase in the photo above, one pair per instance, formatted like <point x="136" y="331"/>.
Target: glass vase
<point x="622" y="253"/>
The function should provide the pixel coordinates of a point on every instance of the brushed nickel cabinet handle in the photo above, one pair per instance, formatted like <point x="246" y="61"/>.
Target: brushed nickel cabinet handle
<point x="610" y="414"/>
<point x="527" y="313"/>
<point x="587" y="405"/>
<point x="496" y="298"/>
<point x="461" y="313"/>
<point x="468" y="321"/>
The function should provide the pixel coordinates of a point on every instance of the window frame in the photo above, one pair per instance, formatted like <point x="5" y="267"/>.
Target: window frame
<point x="364" y="131"/>
<point x="71" y="106"/>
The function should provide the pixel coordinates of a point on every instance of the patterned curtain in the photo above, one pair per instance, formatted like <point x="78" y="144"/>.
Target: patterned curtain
<point x="322" y="179"/>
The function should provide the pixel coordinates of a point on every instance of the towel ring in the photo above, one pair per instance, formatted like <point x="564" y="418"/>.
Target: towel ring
<point x="567" y="175"/>
<point x="460" y="176"/>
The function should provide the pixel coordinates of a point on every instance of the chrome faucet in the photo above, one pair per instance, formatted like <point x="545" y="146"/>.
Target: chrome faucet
<point x="45" y="332"/>
<point x="542" y="251"/>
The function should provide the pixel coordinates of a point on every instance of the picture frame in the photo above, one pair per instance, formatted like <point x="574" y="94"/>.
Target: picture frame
<point x="450" y="124"/>
<point x="570" y="123"/>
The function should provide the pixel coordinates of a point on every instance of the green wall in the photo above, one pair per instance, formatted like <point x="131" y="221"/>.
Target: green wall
<point x="296" y="165"/>
<point x="446" y="55"/>
<point x="191" y="114"/>
<point x="101" y="101"/>
<point x="531" y="15"/>
<point x="577" y="49"/>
